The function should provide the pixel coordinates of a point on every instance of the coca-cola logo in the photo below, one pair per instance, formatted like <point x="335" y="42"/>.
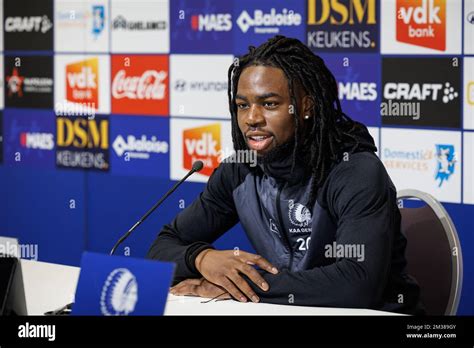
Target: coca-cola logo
<point x="150" y="85"/>
<point x="140" y="85"/>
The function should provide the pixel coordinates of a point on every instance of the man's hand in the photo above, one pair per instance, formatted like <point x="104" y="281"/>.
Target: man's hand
<point x="225" y="268"/>
<point x="199" y="287"/>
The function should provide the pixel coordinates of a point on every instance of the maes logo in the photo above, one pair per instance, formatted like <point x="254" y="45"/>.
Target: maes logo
<point x="422" y="23"/>
<point x="35" y="140"/>
<point x="82" y="82"/>
<point x="203" y="144"/>
<point x="211" y="22"/>
<point x="342" y="24"/>
<point x="82" y="142"/>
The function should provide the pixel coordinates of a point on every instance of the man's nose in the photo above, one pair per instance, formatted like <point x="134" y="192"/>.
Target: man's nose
<point x="255" y="117"/>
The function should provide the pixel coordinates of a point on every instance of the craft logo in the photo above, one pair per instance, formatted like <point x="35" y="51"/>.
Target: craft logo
<point x="268" y="22"/>
<point x="211" y="22"/>
<point x="202" y="144"/>
<point x="422" y="23"/>
<point x="121" y="23"/>
<point x="433" y="84"/>
<point x="28" y="25"/>
<point x="98" y="19"/>
<point x="82" y="142"/>
<point x="421" y="91"/>
<point x="446" y="157"/>
<point x="140" y="85"/>
<point x="342" y="25"/>
<point x="29" y="81"/>
<point x="38" y="24"/>
<point x="82" y="82"/>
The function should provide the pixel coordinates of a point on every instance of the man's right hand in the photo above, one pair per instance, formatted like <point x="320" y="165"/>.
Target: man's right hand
<point x="226" y="267"/>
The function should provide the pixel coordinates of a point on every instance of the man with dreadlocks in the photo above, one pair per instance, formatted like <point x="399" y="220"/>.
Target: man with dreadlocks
<point x="319" y="208"/>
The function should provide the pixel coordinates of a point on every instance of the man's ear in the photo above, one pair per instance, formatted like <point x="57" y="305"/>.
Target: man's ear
<point x="308" y="104"/>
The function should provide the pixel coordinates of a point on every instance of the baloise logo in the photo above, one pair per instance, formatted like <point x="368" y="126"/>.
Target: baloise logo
<point x="140" y="148"/>
<point x="268" y="23"/>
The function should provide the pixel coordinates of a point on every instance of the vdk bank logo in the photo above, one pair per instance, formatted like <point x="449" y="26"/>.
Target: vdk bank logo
<point x="82" y="82"/>
<point x="446" y="158"/>
<point x="202" y="144"/>
<point x="422" y="23"/>
<point x="119" y="293"/>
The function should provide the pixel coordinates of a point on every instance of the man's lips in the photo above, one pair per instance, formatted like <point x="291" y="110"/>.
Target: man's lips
<point x="259" y="141"/>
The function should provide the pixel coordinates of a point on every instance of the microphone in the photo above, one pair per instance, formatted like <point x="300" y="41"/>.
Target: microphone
<point x="197" y="166"/>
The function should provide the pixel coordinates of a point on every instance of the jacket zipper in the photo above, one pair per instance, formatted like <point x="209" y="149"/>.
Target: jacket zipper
<point x="280" y="220"/>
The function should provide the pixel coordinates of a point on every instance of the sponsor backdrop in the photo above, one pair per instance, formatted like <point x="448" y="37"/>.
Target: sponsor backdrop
<point x="105" y="103"/>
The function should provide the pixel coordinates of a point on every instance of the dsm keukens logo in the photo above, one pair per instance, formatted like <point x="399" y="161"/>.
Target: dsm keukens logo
<point x="119" y="293"/>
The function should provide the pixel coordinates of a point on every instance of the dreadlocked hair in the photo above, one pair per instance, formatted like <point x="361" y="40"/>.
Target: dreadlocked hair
<point x="328" y="128"/>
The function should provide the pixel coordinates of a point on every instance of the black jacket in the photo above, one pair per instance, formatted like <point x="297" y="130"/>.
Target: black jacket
<point x="345" y="251"/>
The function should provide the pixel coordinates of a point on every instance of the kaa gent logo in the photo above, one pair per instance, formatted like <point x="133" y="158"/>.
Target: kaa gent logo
<point x="299" y="216"/>
<point x="119" y="293"/>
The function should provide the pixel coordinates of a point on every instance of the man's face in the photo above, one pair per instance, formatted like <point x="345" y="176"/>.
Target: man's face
<point x="263" y="108"/>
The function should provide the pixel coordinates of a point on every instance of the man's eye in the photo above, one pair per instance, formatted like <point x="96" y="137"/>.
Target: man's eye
<point x="242" y="106"/>
<point x="270" y="104"/>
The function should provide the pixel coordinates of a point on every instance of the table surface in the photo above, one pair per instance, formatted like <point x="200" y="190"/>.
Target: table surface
<point x="50" y="286"/>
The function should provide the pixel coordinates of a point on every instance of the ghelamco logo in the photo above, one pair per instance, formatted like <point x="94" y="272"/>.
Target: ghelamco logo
<point x="268" y="23"/>
<point x="139" y="148"/>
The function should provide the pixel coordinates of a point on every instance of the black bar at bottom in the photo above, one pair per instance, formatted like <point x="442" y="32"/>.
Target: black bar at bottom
<point x="228" y="329"/>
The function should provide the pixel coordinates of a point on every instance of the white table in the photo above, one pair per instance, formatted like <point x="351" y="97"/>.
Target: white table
<point x="49" y="286"/>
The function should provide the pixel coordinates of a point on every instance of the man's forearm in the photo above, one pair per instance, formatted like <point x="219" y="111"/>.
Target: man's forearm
<point x="345" y="284"/>
<point x="168" y="247"/>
